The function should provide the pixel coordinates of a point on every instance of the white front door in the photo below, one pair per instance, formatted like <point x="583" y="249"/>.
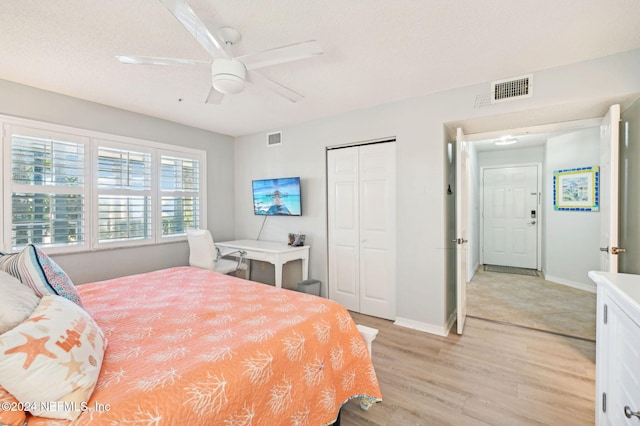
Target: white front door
<point x="361" y="184"/>
<point x="609" y="153"/>
<point x="510" y="216"/>
<point x="462" y="223"/>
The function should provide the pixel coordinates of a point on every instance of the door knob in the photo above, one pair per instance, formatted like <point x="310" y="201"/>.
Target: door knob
<point x="533" y="222"/>
<point x="629" y="413"/>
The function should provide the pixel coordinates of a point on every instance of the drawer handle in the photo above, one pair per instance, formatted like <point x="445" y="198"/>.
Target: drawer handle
<point x="629" y="413"/>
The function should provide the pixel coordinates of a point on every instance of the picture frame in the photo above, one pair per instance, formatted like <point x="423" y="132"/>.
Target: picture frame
<point x="577" y="189"/>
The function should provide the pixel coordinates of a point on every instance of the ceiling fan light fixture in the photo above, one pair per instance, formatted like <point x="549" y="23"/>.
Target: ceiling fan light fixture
<point x="228" y="75"/>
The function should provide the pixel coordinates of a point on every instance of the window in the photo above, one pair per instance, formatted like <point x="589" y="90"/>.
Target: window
<point x="124" y="194"/>
<point x="47" y="187"/>
<point x="180" y="191"/>
<point x="72" y="189"/>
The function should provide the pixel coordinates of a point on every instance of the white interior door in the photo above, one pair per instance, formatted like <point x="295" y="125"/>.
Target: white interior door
<point x="343" y="222"/>
<point x="377" y="229"/>
<point x="510" y="216"/>
<point x="462" y="223"/>
<point x="609" y="180"/>
<point x="361" y="194"/>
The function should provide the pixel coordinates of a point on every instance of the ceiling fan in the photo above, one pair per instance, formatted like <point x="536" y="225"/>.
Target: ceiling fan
<point x="229" y="74"/>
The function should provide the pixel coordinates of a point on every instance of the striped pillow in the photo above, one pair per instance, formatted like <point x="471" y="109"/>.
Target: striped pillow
<point x="37" y="270"/>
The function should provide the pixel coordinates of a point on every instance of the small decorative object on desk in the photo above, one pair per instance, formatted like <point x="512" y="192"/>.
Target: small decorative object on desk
<point x="296" y="240"/>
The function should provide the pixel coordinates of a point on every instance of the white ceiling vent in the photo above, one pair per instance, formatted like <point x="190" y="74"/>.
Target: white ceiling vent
<point x="511" y="88"/>
<point x="274" y="139"/>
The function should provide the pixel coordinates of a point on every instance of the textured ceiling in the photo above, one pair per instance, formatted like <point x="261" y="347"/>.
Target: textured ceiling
<point x="375" y="51"/>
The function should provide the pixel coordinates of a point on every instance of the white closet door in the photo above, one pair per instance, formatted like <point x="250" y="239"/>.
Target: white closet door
<point x="361" y="219"/>
<point x="377" y="230"/>
<point x="344" y="240"/>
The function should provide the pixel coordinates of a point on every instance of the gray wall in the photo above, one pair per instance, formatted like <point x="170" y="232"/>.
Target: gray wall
<point x="27" y="102"/>
<point x="629" y="262"/>
<point x="572" y="238"/>
<point x="417" y="125"/>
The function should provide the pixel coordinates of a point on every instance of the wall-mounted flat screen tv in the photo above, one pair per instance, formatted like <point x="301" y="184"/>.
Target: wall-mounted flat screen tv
<point x="277" y="197"/>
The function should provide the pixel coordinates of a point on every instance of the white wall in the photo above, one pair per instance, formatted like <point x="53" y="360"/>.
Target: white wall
<point x="572" y="238"/>
<point x="475" y="223"/>
<point x="417" y="125"/>
<point x="27" y="102"/>
<point x="511" y="156"/>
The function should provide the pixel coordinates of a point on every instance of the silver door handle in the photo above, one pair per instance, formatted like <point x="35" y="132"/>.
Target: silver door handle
<point x="533" y="222"/>
<point x="629" y="413"/>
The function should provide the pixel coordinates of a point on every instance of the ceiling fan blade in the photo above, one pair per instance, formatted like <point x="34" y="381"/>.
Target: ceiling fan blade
<point x="281" y="55"/>
<point x="289" y="94"/>
<point x="187" y="17"/>
<point x="146" y="60"/>
<point x="214" y="97"/>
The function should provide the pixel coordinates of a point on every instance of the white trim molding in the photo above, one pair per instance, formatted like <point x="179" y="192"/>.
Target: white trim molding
<point x="591" y="288"/>
<point x="425" y="327"/>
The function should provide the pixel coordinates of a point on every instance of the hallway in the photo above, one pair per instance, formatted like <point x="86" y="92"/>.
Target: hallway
<point x="532" y="302"/>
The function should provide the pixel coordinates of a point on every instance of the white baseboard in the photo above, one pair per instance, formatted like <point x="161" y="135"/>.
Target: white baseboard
<point x="591" y="288"/>
<point x="422" y="326"/>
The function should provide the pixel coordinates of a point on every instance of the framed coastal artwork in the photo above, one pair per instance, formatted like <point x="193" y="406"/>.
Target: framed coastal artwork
<point x="577" y="189"/>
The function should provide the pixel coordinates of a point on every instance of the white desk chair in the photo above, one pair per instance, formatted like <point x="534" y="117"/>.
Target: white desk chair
<point x="203" y="253"/>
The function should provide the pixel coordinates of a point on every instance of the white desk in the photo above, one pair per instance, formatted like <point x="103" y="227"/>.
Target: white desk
<point x="273" y="252"/>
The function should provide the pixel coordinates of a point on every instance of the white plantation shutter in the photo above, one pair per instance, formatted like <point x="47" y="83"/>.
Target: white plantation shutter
<point x="47" y="186"/>
<point x="180" y="194"/>
<point x="125" y="210"/>
<point x="69" y="189"/>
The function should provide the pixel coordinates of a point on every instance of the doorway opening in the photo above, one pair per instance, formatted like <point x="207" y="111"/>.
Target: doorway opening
<point x="513" y="224"/>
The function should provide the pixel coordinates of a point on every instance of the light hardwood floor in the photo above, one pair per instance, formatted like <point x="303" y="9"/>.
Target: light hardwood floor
<point x="494" y="374"/>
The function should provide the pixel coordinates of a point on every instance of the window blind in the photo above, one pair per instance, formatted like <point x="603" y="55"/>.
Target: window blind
<point x="47" y="190"/>
<point x="124" y="203"/>
<point x="180" y="200"/>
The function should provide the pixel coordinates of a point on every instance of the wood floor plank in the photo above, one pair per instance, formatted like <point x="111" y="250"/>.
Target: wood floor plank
<point x="494" y="374"/>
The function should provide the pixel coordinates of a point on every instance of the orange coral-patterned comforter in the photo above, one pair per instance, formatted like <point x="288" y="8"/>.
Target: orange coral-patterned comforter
<point x="190" y="346"/>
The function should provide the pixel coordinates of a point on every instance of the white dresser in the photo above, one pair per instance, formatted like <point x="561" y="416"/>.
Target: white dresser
<point x="617" y="349"/>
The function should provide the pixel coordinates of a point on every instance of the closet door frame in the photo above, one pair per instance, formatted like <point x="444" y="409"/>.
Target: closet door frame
<point x="361" y="235"/>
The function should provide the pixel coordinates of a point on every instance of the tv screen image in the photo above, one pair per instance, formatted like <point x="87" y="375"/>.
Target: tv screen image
<point x="277" y="197"/>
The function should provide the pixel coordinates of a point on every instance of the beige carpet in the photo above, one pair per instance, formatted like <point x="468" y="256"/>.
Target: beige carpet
<point x="532" y="302"/>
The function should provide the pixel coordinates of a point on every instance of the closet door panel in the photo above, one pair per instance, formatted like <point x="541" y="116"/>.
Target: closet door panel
<point x="361" y="223"/>
<point x="343" y="224"/>
<point x="377" y="230"/>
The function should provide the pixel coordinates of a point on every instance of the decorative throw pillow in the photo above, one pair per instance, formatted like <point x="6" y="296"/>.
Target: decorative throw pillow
<point x="38" y="271"/>
<point x="10" y="412"/>
<point x="53" y="358"/>
<point x="17" y="302"/>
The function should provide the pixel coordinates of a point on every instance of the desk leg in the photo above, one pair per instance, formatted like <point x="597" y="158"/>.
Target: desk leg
<point x="305" y="268"/>
<point x="278" y="271"/>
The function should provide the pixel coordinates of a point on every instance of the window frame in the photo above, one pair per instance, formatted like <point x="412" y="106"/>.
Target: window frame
<point x="92" y="140"/>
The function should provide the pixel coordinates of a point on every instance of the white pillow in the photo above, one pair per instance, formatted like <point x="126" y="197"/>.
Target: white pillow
<point x="17" y="302"/>
<point x="54" y="356"/>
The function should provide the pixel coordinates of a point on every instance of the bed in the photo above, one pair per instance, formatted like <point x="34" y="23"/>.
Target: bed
<point x="191" y="346"/>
